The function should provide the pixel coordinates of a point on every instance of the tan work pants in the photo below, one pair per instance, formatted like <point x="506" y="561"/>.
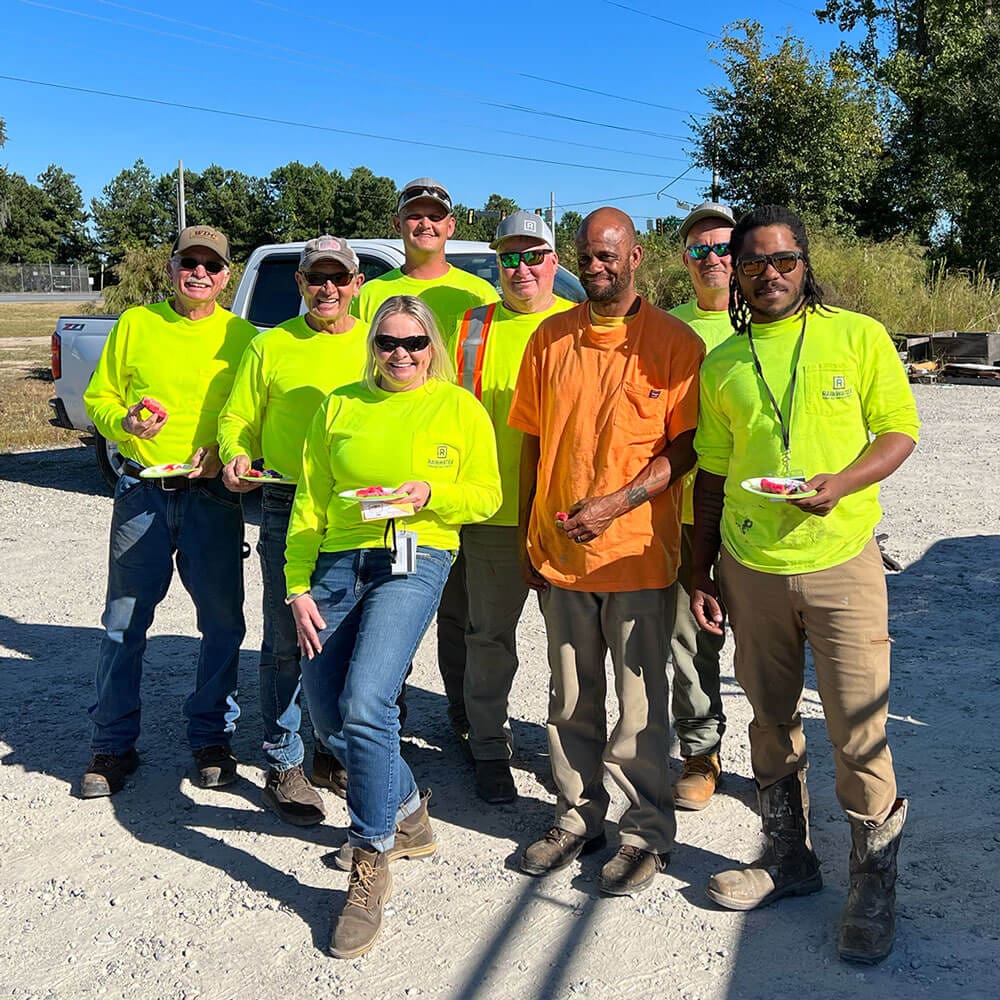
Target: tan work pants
<point x="581" y="629"/>
<point x="843" y="613"/>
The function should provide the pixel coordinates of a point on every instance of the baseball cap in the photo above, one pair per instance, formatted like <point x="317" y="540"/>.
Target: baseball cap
<point x="522" y="223"/>
<point x="424" y="187"/>
<point x="329" y="248"/>
<point x="202" y="236"/>
<point x="706" y="210"/>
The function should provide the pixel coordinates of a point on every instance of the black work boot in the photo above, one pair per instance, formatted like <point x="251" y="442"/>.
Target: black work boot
<point x="868" y="926"/>
<point x="788" y="866"/>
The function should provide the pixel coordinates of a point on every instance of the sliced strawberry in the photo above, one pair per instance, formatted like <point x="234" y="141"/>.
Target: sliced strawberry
<point x="561" y="515"/>
<point x="772" y="486"/>
<point x="372" y="491"/>
<point x="153" y="407"/>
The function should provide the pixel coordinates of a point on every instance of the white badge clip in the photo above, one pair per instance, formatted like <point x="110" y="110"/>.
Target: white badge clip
<point x="403" y="550"/>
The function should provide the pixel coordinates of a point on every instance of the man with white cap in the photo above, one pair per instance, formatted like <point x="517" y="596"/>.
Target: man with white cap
<point x="284" y="376"/>
<point x="163" y="376"/>
<point x="696" y="696"/>
<point x="425" y="221"/>
<point x="490" y="343"/>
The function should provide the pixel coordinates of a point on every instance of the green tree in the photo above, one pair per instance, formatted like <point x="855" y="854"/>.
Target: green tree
<point x="565" y="233"/>
<point x="364" y="206"/>
<point x="485" y="220"/>
<point x="302" y="201"/>
<point x="63" y="217"/>
<point x="789" y="129"/>
<point x="23" y="235"/>
<point x="133" y="210"/>
<point x="233" y="202"/>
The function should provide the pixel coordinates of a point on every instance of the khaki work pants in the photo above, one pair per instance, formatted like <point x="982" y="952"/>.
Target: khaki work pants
<point x="582" y="628"/>
<point x="497" y="593"/>
<point x="843" y="613"/>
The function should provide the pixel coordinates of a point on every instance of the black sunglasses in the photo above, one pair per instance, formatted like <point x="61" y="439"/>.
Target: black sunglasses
<point x="412" y="193"/>
<point x="340" y="279"/>
<point x="530" y="257"/>
<point x="784" y="262"/>
<point x="411" y="345"/>
<point x="700" y="251"/>
<point x="192" y="264"/>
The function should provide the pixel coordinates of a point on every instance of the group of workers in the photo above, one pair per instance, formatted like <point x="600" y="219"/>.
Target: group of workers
<point x="502" y="444"/>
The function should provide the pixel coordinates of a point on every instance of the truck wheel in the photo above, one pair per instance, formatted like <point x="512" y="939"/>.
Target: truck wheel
<point x="109" y="460"/>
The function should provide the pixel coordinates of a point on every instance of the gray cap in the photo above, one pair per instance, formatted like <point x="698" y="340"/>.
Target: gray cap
<point x="424" y="187"/>
<point x="329" y="248"/>
<point x="522" y="223"/>
<point x="707" y="210"/>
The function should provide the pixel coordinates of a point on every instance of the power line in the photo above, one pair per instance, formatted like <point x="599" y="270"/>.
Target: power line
<point x="324" y="128"/>
<point x="604" y="93"/>
<point x="665" y="20"/>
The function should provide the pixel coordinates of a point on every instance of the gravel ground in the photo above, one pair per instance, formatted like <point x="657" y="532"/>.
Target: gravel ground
<point x="168" y="890"/>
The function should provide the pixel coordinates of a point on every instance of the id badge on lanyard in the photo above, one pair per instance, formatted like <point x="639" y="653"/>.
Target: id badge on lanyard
<point x="403" y="549"/>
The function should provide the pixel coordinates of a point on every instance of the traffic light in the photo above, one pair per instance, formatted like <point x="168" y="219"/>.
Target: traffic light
<point x="472" y="215"/>
<point x="659" y="227"/>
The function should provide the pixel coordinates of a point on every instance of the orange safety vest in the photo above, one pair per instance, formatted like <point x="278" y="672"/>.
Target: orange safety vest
<point x="471" y="349"/>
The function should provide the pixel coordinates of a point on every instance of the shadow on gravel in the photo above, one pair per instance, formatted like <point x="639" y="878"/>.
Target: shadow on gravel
<point x="944" y="704"/>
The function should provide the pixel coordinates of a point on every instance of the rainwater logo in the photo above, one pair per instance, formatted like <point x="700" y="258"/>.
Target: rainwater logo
<point x="839" y="389"/>
<point x="444" y="457"/>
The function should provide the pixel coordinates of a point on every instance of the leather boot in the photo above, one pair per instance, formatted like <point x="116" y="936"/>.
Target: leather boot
<point x="788" y="866"/>
<point x="414" y="838"/>
<point x="868" y="926"/>
<point x="368" y="890"/>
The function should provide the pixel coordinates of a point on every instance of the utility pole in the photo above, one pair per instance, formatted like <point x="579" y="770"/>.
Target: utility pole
<point x="181" y="209"/>
<point x="552" y="211"/>
<point x="715" y="167"/>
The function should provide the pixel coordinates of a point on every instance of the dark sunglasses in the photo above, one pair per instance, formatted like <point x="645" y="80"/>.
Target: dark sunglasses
<point x="340" y="279"/>
<point x="530" y="257"/>
<point x="784" y="262"/>
<point x="412" y="193"/>
<point x="192" y="264"/>
<point x="411" y="345"/>
<point x="700" y="251"/>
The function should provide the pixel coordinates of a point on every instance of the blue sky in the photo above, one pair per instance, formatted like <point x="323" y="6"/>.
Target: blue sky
<point x="506" y="80"/>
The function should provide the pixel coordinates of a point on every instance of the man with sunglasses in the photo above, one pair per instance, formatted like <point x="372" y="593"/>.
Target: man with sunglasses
<point x="490" y="343"/>
<point x="285" y="374"/>
<point x="425" y="222"/>
<point x="607" y="400"/>
<point x="817" y="396"/>
<point x="157" y="390"/>
<point x="696" y="698"/>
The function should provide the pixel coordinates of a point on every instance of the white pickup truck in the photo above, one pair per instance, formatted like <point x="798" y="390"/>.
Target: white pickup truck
<point x="267" y="295"/>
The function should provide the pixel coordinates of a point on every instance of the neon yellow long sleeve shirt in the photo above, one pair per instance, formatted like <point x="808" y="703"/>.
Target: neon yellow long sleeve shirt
<point x="850" y="386"/>
<point x="359" y="437"/>
<point x="284" y="376"/>
<point x="187" y="365"/>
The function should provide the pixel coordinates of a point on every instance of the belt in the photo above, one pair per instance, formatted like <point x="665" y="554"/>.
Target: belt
<point x="169" y="484"/>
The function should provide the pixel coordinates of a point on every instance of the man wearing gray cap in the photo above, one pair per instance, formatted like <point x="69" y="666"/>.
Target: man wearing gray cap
<point x="489" y="345"/>
<point x="284" y="376"/>
<point x="163" y="376"/>
<point x="696" y="699"/>
<point x="425" y="221"/>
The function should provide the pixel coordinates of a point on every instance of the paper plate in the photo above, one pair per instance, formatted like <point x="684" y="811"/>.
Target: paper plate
<point x="753" y="486"/>
<point x="375" y="498"/>
<point x="269" y="480"/>
<point x="166" y="471"/>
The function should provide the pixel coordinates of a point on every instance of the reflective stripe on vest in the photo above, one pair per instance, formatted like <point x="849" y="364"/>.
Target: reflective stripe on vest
<point x="472" y="347"/>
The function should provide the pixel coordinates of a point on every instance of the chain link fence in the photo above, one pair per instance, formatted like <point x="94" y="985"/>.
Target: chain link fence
<point x="44" y="278"/>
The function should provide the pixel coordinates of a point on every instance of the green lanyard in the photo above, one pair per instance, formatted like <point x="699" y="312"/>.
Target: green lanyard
<point x="786" y="426"/>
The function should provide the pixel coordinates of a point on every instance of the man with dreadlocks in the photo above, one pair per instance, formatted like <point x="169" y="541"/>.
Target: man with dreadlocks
<point x="804" y="391"/>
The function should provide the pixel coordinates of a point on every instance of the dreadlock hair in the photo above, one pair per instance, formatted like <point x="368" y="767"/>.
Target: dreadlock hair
<point x="769" y="215"/>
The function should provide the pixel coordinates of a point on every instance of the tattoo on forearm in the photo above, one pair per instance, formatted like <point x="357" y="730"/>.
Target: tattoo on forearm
<point x="636" y="496"/>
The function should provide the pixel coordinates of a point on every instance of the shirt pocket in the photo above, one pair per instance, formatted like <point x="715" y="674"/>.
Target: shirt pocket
<point x="830" y="390"/>
<point x="641" y="414"/>
<point x="436" y="457"/>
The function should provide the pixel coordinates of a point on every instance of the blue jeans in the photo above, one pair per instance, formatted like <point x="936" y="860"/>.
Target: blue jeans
<point x="374" y="623"/>
<point x="203" y="527"/>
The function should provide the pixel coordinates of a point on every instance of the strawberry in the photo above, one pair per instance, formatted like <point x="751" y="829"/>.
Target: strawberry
<point x="561" y="515"/>
<point x="372" y="491"/>
<point x="154" y="408"/>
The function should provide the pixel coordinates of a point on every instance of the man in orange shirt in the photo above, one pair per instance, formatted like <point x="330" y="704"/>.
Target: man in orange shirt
<point x="607" y="398"/>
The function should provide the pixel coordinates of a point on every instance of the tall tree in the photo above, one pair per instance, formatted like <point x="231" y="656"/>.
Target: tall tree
<point x="132" y="211"/>
<point x="788" y="128"/>
<point x="63" y="215"/>
<point x="365" y="205"/>
<point x="232" y="201"/>
<point x="23" y="234"/>
<point x="303" y="201"/>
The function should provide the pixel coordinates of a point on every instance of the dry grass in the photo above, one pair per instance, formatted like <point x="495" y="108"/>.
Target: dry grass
<point x="25" y="377"/>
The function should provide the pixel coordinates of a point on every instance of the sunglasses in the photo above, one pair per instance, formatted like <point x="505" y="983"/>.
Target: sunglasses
<point x="411" y="345"/>
<point x="411" y="193"/>
<point x="192" y="264"/>
<point x="317" y="278"/>
<point x="530" y="257"/>
<point x="700" y="251"/>
<point x="784" y="262"/>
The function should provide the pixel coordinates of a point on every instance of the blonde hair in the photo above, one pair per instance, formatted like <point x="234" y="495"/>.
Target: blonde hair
<point x="441" y="366"/>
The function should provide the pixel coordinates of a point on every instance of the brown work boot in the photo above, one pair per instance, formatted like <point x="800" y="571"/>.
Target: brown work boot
<point x="216" y="765"/>
<point x="328" y="772"/>
<point x="368" y="890"/>
<point x="868" y="926"/>
<point x="788" y="866"/>
<point x="631" y="870"/>
<point x="414" y="839"/>
<point x="557" y="849"/>
<point x="107" y="773"/>
<point x="696" y="785"/>
<point x="288" y="794"/>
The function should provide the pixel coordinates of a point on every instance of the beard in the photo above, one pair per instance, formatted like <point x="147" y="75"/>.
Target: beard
<point x="612" y="290"/>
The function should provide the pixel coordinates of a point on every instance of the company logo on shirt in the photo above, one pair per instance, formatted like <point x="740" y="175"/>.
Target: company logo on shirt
<point x="444" y="457"/>
<point x="839" y="389"/>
